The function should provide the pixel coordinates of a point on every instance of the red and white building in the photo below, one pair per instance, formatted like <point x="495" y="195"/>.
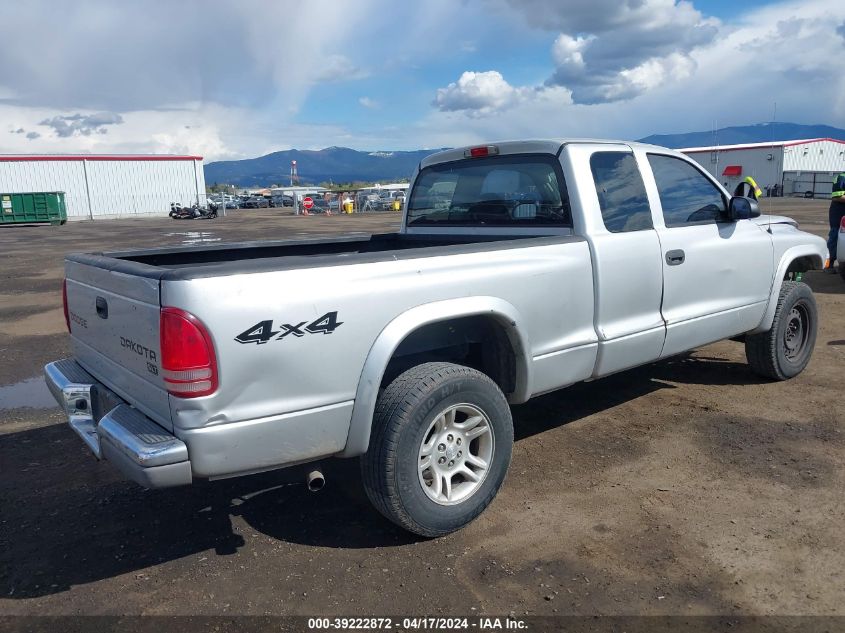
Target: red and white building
<point x="108" y="185"/>
<point x="798" y="168"/>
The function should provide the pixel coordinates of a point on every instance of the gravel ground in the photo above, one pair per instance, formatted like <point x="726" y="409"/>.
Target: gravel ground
<point x="685" y="487"/>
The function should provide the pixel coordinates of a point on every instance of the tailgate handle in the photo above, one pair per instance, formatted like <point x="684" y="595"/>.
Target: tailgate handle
<point x="102" y="308"/>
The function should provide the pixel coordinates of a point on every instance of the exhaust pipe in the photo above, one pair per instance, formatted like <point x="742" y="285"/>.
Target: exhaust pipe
<point x="315" y="481"/>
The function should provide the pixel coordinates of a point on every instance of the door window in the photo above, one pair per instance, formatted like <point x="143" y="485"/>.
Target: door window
<point x="622" y="197"/>
<point x="686" y="195"/>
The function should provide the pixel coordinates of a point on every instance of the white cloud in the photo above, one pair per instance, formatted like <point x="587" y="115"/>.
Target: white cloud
<point x="371" y="104"/>
<point x="569" y="51"/>
<point x="479" y="94"/>
<point x="606" y="48"/>
<point x="241" y="97"/>
<point x="734" y="80"/>
<point x="210" y="130"/>
<point x="193" y="129"/>
<point x="610" y="69"/>
<point x="92" y="61"/>
<point x="649" y="75"/>
<point x="609" y="50"/>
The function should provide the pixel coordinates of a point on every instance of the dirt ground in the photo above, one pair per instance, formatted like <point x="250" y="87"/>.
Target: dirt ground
<point x="685" y="487"/>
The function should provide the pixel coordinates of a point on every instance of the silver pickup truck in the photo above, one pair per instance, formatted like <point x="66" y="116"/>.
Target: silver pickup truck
<point x="520" y="268"/>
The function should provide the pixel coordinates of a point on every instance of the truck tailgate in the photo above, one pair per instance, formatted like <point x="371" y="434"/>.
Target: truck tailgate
<point x="114" y="321"/>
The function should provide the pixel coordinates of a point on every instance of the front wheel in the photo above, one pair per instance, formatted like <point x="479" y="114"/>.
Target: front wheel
<point x="440" y="448"/>
<point x="785" y="350"/>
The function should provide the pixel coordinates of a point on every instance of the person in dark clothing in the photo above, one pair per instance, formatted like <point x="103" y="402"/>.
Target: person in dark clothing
<point x="835" y="215"/>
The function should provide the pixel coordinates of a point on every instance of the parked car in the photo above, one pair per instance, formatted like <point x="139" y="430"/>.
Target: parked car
<point x="519" y="268"/>
<point x="387" y="199"/>
<point x="281" y="200"/>
<point x="840" y="248"/>
<point x="256" y="202"/>
<point x="384" y="202"/>
<point x="367" y="200"/>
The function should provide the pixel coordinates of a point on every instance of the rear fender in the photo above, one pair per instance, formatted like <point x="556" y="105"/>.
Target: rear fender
<point x="397" y="330"/>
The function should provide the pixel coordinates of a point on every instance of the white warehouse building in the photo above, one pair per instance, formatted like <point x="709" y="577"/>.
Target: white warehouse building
<point x="784" y="168"/>
<point x="105" y="185"/>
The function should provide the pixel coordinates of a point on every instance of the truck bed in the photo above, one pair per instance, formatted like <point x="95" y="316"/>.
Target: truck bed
<point x="238" y="258"/>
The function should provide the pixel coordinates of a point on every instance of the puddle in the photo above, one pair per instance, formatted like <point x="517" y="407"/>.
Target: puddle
<point x="190" y="238"/>
<point x="31" y="393"/>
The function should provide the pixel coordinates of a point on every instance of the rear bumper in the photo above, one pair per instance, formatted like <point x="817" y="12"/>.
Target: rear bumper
<point x="141" y="449"/>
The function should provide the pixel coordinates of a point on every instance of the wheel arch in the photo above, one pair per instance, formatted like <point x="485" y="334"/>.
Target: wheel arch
<point x="796" y="259"/>
<point x="405" y="325"/>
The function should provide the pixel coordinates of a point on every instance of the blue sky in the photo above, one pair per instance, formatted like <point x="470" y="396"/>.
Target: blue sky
<point x="231" y="79"/>
<point x="728" y="9"/>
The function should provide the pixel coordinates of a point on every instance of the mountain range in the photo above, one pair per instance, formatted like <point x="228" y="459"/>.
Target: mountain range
<point x="343" y="165"/>
<point x="333" y="164"/>
<point x="759" y="133"/>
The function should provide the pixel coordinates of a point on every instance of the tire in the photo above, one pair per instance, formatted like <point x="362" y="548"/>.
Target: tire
<point x="785" y="350"/>
<point x="842" y="270"/>
<point x="411" y="418"/>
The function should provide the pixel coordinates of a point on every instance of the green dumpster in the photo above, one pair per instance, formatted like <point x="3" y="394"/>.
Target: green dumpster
<point x="33" y="208"/>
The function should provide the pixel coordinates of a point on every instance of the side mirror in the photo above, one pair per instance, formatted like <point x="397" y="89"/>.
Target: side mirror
<point x="741" y="208"/>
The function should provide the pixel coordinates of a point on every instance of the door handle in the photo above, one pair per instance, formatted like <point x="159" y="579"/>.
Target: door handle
<point x="676" y="257"/>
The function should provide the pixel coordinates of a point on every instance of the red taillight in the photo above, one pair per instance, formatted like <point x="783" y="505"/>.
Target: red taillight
<point x="64" y="304"/>
<point x="188" y="365"/>
<point x="479" y="152"/>
<point x="842" y="225"/>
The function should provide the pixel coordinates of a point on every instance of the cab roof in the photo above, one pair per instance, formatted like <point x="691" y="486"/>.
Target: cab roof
<point x="547" y="146"/>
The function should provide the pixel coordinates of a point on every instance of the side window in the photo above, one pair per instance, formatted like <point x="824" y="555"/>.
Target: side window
<point x="687" y="197"/>
<point x="622" y="197"/>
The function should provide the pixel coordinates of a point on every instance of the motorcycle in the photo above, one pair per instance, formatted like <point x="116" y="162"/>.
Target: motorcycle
<point x="194" y="212"/>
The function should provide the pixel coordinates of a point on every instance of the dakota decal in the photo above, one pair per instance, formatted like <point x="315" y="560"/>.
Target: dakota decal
<point x="138" y="349"/>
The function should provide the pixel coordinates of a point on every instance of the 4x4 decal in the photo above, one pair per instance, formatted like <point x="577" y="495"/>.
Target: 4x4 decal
<point x="263" y="331"/>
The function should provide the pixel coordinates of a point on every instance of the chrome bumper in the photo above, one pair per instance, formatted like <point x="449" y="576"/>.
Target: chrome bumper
<point x="141" y="449"/>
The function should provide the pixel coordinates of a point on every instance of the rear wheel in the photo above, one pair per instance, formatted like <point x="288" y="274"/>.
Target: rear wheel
<point x="440" y="448"/>
<point x="785" y="350"/>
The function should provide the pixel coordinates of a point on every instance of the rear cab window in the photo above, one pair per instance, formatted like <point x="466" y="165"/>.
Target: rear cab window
<point x="522" y="190"/>
<point x="621" y="192"/>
